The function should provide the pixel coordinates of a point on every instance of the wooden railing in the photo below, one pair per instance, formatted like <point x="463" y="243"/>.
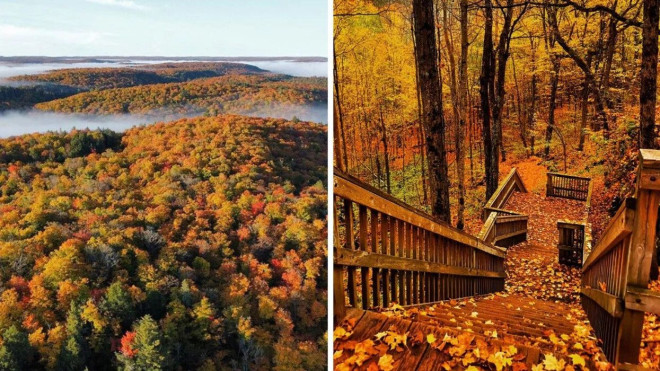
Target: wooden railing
<point x="512" y="182"/>
<point x="615" y="275"/>
<point x="571" y="243"/>
<point x="504" y="229"/>
<point x="569" y="186"/>
<point x="386" y="251"/>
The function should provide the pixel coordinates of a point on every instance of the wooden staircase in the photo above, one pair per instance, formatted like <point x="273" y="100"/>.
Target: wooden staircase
<point x="413" y="293"/>
<point x="492" y="323"/>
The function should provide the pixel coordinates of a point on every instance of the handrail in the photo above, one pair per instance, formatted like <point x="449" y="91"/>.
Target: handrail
<point x="392" y="252"/>
<point x="619" y="227"/>
<point x="569" y="186"/>
<point x="512" y="182"/>
<point x="513" y="226"/>
<point x="351" y="188"/>
<point x="504" y="230"/>
<point x="568" y="175"/>
<point x="616" y="273"/>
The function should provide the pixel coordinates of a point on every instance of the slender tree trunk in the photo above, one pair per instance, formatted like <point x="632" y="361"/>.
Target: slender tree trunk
<point x="499" y="93"/>
<point x="485" y="82"/>
<point x="462" y="109"/>
<point x="383" y="138"/>
<point x="433" y="119"/>
<point x="425" y="179"/>
<point x="648" y="75"/>
<point x="583" y="120"/>
<point x="553" y="104"/>
<point x="586" y="69"/>
<point x="531" y="115"/>
<point x="610" y="47"/>
<point x="519" y="110"/>
<point x="459" y="120"/>
<point x="340" y="137"/>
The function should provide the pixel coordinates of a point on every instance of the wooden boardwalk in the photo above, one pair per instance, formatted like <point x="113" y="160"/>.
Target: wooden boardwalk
<point x="524" y="321"/>
<point x="499" y="299"/>
<point x="491" y="324"/>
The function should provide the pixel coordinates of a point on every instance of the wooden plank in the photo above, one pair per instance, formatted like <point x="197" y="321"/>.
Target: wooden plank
<point x="618" y="228"/>
<point x="356" y="258"/>
<point x="505" y="188"/>
<point x="352" y="273"/>
<point x="509" y="235"/>
<point x="412" y="356"/>
<point x="400" y="326"/>
<point x="501" y="219"/>
<point x="567" y="176"/>
<point x="640" y="257"/>
<point x="338" y="292"/>
<point x="367" y="326"/>
<point x="612" y="304"/>
<point x="589" y="194"/>
<point x="362" y="194"/>
<point x="487" y="232"/>
<point x="362" y="228"/>
<point x="375" y="247"/>
<point x="642" y="300"/>
<point x="630" y="367"/>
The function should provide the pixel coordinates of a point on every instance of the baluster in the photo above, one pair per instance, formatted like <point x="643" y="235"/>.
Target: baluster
<point x="375" y="272"/>
<point x="352" y="272"/>
<point x="385" y="246"/>
<point x="362" y="210"/>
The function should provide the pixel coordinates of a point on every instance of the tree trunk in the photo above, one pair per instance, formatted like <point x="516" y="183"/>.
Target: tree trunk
<point x="433" y="119"/>
<point x="648" y="75"/>
<point x="340" y="137"/>
<point x="531" y="114"/>
<point x="425" y="179"/>
<point x="553" y="104"/>
<point x="485" y="83"/>
<point x="462" y="103"/>
<point x="583" y="120"/>
<point x="586" y="69"/>
<point x="610" y="47"/>
<point x="498" y="103"/>
<point x="383" y="138"/>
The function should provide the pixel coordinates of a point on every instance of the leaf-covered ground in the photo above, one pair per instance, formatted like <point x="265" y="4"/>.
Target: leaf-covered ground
<point x="496" y="332"/>
<point x="532" y="266"/>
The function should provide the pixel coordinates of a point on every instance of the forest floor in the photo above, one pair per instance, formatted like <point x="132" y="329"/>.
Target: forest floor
<point x="532" y="267"/>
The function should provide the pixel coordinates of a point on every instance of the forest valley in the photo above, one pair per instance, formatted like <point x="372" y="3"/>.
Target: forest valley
<point x="197" y="244"/>
<point x="436" y="100"/>
<point x="190" y="88"/>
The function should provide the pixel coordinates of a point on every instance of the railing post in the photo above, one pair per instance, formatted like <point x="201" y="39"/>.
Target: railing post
<point x="548" y="186"/>
<point x="338" y="276"/>
<point x="641" y="252"/>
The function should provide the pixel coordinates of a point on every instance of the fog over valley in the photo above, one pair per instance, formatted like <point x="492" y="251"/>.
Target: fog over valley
<point x="18" y="97"/>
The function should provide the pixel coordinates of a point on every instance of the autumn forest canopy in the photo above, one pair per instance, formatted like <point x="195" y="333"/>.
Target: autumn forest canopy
<point x="200" y="242"/>
<point x="182" y="88"/>
<point x="557" y="82"/>
<point x="197" y="244"/>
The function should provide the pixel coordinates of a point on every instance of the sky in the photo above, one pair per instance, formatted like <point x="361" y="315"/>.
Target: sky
<point x="164" y="27"/>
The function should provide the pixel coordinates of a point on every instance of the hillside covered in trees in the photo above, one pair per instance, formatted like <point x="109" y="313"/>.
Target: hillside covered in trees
<point x="170" y="89"/>
<point x="107" y="78"/>
<point x="234" y="93"/>
<point x="198" y="244"/>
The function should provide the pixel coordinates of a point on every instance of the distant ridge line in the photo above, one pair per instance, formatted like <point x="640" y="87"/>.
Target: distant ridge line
<point x="101" y="59"/>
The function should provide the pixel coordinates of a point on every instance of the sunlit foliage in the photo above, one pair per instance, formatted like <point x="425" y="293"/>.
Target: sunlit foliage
<point x="197" y="244"/>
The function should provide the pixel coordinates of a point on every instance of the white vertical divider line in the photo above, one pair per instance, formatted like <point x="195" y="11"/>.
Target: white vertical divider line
<point x="330" y="219"/>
